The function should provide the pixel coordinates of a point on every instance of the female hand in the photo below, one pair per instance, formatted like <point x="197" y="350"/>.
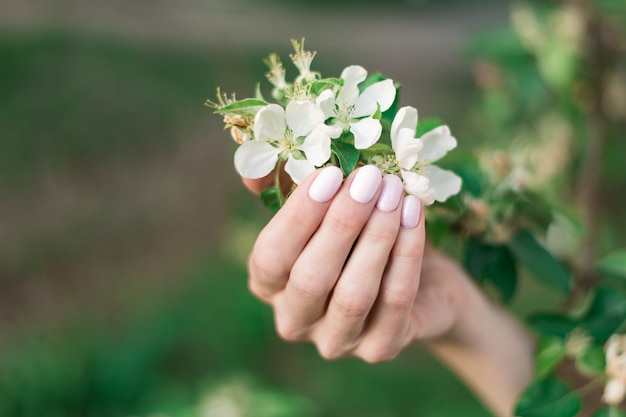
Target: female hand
<point x="345" y="266"/>
<point x="341" y="265"/>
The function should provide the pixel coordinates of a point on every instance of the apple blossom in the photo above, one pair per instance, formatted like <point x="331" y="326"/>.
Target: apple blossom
<point x="354" y="111"/>
<point x="414" y="157"/>
<point x="296" y="134"/>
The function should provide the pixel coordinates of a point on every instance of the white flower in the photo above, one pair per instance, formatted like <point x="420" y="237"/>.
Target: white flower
<point x="415" y="157"/>
<point x="353" y="111"/>
<point x="297" y="134"/>
<point x="615" y="388"/>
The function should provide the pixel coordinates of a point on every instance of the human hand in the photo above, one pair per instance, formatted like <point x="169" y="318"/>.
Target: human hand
<point x="343" y="266"/>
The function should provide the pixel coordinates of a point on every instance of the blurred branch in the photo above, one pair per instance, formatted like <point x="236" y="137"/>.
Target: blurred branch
<point x="600" y="60"/>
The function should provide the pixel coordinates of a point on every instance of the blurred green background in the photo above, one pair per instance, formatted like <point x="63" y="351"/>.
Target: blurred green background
<point x="124" y="229"/>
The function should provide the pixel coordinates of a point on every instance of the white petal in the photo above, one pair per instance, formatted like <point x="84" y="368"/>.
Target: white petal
<point x="445" y="183"/>
<point x="405" y="118"/>
<point x="437" y="143"/>
<point x="407" y="148"/>
<point x="298" y="169"/>
<point x="303" y="116"/>
<point x="316" y="147"/>
<point x="366" y="132"/>
<point x="353" y="75"/>
<point x="332" y="131"/>
<point x="269" y="123"/>
<point x="382" y="92"/>
<point x="255" y="159"/>
<point x="326" y="101"/>
<point x="347" y="97"/>
<point x="419" y="186"/>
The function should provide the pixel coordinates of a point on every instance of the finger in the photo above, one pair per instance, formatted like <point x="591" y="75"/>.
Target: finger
<point x="316" y="270"/>
<point x="388" y="330"/>
<point x="280" y="243"/>
<point x="357" y="289"/>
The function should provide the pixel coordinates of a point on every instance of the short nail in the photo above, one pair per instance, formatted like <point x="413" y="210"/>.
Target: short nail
<point x="390" y="194"/>
<point x="411" y="211"/>
<point x="365" y="184"/>
<point x="326" y="184"/>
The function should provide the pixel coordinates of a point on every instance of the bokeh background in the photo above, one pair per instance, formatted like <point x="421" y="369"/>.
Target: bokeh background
<point x="124" y="229"/>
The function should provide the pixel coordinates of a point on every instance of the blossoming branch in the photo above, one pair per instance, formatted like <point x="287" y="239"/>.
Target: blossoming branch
<point x="348" y="121"/>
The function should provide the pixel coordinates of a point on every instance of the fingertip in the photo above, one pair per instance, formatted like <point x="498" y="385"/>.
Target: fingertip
<point x="326" y="184"/>
<point x="411" y="212"/>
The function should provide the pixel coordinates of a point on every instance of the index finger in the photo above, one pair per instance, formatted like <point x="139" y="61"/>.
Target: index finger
<point x="280" y="243"/>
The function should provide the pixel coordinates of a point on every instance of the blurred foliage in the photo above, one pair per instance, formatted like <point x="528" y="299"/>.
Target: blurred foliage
<point x="71" y="101"/>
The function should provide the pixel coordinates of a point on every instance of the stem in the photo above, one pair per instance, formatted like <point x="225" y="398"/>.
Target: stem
<point x="599" y="61"/>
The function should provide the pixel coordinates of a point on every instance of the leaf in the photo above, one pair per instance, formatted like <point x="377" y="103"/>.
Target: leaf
<point x="609" y="412"/>
<point x="539" y="262"/>
<point x="605" y="315"/>
<point x="548" y="397"/>
<point x="494" y="264"/>
<point x="552" y="325"/>
<point x="549" y="353"/>
<point x="426" y="125"/>
<point x="273" y="198"/>
<point x="592" y="361"/>
<point x="614" y="264"/>
<point x="347" y="155"/>
<point x="245" y="107"/>
<point x="317" y="86"/>
<point x="472" y="180"/>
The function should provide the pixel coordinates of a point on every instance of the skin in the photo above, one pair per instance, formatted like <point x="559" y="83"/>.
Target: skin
<point x="363" y="285"/>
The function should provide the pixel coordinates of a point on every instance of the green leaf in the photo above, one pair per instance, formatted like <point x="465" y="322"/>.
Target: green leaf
<point x="317" y="86"/>
<point x="605" y="315"/>
<point x="245" y="107"/>
<point x="592" y="361"/>
<point x="372" y="78"/>
<point x="614" y="264"/>
<point x="273" y="198"/>
<point x="549" y="353"/>
<point x="548" y="397"/>
<point x="552" y="324"/>
<point x="494" y="264"/>
<point x="472" y="179"/>
<point x="347" y="155"/>
<point x="609" y="412"/>
<point x="539" y="262"/>
<point x="426" y="125"/>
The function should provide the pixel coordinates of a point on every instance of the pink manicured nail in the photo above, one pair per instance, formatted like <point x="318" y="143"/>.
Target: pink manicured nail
<point x="411" y="211"/>
<point x="326" y="184"/>
<point x="365" y="184"/>
<point x="390" y="194"/>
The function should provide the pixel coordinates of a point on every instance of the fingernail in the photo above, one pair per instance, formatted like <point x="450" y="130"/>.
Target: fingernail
<point x="411" y="211"/>
<point x="326" y="184"/>
<point x="390" y="194"/>
<point x="365" y="184"/>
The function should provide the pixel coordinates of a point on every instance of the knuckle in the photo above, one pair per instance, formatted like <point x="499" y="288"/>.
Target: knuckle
<point x="258" y="290"/>
<point x="267" y="264"/>
<point x="382" y="234"/>
<point x="399" y="297"/>
<point x="330" y="352"/>
<point x="288" y="331"/>
<point x="344" y="225"/>
<point x="304" y="287"/>
<point x="351" y="305"/>
<point x="379" y="354"/>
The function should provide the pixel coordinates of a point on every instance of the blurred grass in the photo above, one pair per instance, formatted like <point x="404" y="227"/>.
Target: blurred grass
<point x="162" y="357"/>
<point x="74" y="104"/>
